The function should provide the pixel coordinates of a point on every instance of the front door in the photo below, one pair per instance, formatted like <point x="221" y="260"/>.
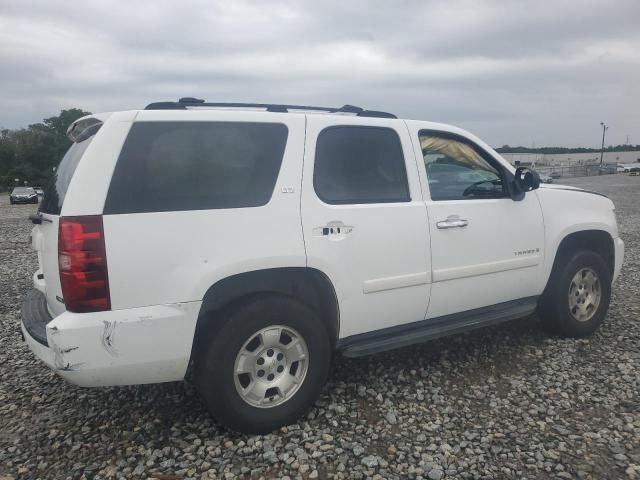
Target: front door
<point x="365" y="221"/>
<point x="485" y="248"/>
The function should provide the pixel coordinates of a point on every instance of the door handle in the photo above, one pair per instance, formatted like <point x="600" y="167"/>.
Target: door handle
<point x="334" y="230"/>
<point x="452" y="221"/>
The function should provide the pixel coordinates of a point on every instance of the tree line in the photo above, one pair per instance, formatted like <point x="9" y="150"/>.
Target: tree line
<point x="30" y="154"/>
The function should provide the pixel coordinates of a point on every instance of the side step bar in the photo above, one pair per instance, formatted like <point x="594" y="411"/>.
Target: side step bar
<point x="416" y="332"/>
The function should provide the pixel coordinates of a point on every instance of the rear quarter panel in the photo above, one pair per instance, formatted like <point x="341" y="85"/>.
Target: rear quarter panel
<point x="172" y="257"/>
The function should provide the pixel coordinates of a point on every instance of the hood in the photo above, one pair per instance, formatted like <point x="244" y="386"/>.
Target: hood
<point x="566" y="195"/>
<point x="569" y="188"/>
<point x="561" y="187"/>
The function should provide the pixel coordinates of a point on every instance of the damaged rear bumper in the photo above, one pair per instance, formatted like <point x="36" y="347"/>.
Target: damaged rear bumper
<point x="119" y="347"/>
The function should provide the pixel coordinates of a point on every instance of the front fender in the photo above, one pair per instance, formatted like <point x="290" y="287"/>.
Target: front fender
<point x="568" y="211"/>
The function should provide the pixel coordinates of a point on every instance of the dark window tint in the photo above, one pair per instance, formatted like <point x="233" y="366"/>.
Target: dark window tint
<point x="360" y="165"/>
<point x="170" y="166"/>
<point x="56" y="190"/>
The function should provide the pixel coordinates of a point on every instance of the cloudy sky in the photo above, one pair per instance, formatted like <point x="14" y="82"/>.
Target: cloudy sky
<point x="518" y="72"/>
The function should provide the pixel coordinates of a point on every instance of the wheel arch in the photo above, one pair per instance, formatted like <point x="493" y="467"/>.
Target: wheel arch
<point x="596" y="240"/>
<point x="308" y="285"/>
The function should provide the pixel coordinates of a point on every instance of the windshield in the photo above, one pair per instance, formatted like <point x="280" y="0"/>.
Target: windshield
<point x="23" y="190"/>
<point x="56" y="190"/>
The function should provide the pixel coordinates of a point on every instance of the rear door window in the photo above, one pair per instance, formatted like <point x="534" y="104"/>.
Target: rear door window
<point x="56" y="190"/>
<point x="356" y="164"/>
<point x="177" y="166"/>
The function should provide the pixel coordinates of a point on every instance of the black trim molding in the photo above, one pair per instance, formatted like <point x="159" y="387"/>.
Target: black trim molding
<point x="35" y="316"/>
<point x="417" y="332"/>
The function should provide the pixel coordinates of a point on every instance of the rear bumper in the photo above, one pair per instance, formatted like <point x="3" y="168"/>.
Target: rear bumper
<point x="120" y="347"/>
<point x="36" y="316"/>
<point x="618" y="246"/>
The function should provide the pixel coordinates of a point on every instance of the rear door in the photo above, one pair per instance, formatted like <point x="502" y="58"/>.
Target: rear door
<point x="364" y="220"/>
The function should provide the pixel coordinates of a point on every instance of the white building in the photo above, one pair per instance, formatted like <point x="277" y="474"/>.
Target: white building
<point x="573" y="159"/>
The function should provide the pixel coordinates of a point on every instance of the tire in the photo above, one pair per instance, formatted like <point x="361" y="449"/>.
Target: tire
<point x="568" y="305"/>
<point x="234" y="341"/>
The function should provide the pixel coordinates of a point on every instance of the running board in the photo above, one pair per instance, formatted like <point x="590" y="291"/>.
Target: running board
<point x="416" y="332"/>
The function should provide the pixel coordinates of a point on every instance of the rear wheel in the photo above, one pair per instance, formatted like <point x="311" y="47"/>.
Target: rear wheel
<point x="577" y="297"/>
<point x="265" y="366"/>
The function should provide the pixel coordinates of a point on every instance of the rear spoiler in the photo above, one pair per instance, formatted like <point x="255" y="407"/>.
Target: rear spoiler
<point x="83" y="128"/>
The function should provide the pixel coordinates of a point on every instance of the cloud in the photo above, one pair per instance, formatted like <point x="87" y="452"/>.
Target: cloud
<point x="512" y="72"/>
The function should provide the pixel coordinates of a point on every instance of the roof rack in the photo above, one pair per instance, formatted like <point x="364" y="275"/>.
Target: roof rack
<point x="190" y="102"/>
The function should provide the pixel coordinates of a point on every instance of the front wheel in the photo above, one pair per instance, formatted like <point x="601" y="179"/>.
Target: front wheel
<point x="577" y="296"/>
<point x="265" y="366"/>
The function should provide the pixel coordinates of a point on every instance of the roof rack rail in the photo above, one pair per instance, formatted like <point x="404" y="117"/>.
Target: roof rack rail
<point x="190" y="102"/>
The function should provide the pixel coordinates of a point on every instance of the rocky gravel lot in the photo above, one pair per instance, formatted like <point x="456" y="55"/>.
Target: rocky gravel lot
<point x="502" y="402"/>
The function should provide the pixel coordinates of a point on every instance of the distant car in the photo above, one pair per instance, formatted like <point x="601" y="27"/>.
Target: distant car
<point x="546" y="178"/>
<point x="555" y="175"/>
<point x="39" y="191"/>
<point x="627" y="167"/>
<point x="23" y="195"/>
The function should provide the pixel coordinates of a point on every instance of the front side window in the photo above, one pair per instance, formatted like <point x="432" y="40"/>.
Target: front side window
<point x="360" y="165"/>
<point x="177" y="166"/>
<point x="456" y="170"/>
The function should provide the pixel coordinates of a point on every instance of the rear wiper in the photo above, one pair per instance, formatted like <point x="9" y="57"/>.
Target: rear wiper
<point x="37" y="218"/>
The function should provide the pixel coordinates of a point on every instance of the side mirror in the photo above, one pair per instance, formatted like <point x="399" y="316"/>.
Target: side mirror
<point x="524" y="181"/>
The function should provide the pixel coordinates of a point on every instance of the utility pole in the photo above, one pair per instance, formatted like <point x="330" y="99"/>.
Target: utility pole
<point x="604" y="129"/>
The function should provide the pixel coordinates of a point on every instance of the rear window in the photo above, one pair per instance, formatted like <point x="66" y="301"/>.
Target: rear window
<point x="56" y="190"/>
<point x="174" y="166"/>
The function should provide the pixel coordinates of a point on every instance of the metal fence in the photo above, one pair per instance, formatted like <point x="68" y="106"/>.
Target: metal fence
<point x="576" y="171"/>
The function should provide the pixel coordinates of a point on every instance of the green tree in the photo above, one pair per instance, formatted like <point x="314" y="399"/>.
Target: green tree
<point x="31" y="153"/>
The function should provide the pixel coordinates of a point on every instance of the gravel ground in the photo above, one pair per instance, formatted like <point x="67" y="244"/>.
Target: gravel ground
<point x="502" y="402"/>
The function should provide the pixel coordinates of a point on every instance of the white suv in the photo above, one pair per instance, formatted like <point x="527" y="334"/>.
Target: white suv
<point x="253" y="242"/>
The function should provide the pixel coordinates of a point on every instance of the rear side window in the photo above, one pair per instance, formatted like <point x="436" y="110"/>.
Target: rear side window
<point x="173" y="166"/>
<point x="56" y="190"/>
<point x="360" y="165"/>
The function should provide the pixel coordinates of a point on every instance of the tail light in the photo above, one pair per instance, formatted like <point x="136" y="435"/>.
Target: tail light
<point x="82" y="261"/>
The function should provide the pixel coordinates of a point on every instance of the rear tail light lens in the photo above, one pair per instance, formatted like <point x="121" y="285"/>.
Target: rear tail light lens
<point x="82" y="261"/>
